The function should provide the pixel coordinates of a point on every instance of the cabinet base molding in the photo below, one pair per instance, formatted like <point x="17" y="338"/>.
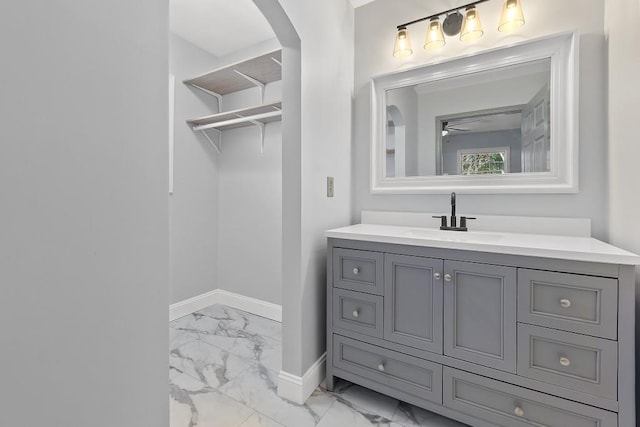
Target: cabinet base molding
<point x="231" y="299"/>
<point x="298" y="389"/>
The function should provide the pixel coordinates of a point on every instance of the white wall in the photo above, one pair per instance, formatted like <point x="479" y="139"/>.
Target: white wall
<point x="375" y="31"/>
<point x="194" y="203"/>
<point x="406" y="100"/>
<point x="621" y="19"/>
<point x="84" y="217"/>
<point x="326" y="33"/>
<point x="250" y="209"/>
<point x="623" y="33"/>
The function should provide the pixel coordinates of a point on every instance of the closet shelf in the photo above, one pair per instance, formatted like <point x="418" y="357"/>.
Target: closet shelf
<point x="239" y="118"/>
<point x="256" y="71"/>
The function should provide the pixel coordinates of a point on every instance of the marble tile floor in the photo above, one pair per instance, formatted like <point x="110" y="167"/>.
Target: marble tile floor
<point x="223" y="372"/>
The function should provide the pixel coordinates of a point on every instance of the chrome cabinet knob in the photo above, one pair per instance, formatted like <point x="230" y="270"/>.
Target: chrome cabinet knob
<point x="564" y="361"/>
<point x="565" y="303"/>
<point x="381" y="367"/>
<point x="518" y="411"/>
<point x="356" y="271"/>
<point x="356" y="313"/>
<point x="436" y="276"/>
<point x="447" y="277"/>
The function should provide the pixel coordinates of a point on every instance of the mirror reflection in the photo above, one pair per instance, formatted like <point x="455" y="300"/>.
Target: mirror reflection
<point x="486" y="123"/>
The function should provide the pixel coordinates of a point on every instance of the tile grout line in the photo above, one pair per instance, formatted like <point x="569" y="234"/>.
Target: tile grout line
<point x="269" y="418"/>
<point x="327" y="411"/>
<point x="250" y="415"/>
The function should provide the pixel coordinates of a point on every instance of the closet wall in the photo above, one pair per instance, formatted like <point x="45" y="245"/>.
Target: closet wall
<point x="226" y="209"/>
<point x="250" y="208"/>
<point x="193" y="206"/>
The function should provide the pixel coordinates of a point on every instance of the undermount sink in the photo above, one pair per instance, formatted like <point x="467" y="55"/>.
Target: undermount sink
<point x="453" y="236"/>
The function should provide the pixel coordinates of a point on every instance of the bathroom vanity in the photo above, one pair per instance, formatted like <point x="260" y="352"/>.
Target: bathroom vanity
<point x="488" y="328"/>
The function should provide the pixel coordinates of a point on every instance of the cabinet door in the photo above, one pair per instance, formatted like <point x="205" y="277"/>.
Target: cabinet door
<point x="413" y="301"/>
<point x="480" y="314"/>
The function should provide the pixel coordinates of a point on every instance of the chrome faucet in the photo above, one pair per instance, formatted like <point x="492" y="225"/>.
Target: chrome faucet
<point x="454" y="219"/>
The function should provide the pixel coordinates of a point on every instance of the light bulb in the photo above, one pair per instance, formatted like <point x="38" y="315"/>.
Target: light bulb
<point x="512" y="17"/>
<point x="403" y="44"/>
<point x="471" y="25"/>
<point x="434" y="38"/>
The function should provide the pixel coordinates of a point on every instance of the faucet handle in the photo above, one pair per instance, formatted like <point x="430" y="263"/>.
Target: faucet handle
<point x="443" y="220"/>
<point x="463" y="221"/>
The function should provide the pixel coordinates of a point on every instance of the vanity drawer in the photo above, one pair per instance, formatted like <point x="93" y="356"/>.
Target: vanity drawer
<point x="409" y="374"/>
<point x="358" y="270"/>
<point x="507" y="405"/>
<point x="572" y="302"/>
<point x="357" y="312"/>
<point x="580" y="362"/>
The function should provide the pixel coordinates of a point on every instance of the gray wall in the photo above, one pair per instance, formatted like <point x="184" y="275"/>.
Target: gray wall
<point x="250" y="208"/>
<point x="194" y="204"/>
<point x="84" y="218"/>
<point x="375" y="32"/>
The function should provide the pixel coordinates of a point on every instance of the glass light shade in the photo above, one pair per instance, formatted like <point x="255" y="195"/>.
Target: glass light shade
<point x="512" y="17"/>
<point x="435" y="37"/>
<point x="471" y="25"/>
<point x="403" y="44"/>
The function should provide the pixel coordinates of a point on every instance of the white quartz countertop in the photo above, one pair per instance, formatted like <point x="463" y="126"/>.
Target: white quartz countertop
<point x="537" y="245"/>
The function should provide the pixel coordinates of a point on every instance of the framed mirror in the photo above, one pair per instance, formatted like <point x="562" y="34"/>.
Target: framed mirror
<point x="500" y="121"/>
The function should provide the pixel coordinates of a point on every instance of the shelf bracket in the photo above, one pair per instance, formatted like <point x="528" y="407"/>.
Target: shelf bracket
<point x="255" y="82"/>
<point x="213" y="144"/>
<point x="212" y="93"/>
<point x="261" y="127"/>
<point x="276" y="61"/>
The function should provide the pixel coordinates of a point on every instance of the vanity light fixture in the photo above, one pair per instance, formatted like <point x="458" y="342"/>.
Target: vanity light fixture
<point x="471" y="25"/>
<point x="403" y="43"/>
<point x="512" y="17"/>
<point x="435" y="37"/>
<point x="468" y="26"/>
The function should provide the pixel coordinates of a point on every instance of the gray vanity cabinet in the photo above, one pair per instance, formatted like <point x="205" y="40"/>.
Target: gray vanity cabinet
<point x="488" y="339"/>
<point x="480" y="314"/>
<point x="413" y="301"/>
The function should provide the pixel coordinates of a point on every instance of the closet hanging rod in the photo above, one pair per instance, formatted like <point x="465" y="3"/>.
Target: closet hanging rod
<point x="239" y="120"/>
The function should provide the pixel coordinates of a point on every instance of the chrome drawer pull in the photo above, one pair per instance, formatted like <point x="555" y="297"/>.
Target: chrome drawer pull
<point x="447" y="277"/>
<point x="565" y="303"/>
<point x="436" y="276"/>
<point x="356" y="271"/>
<point x="381" y="367"/>
<point x="356" y="313"/>
<point x="518" y="411"/>
<point x="565" y="361"/>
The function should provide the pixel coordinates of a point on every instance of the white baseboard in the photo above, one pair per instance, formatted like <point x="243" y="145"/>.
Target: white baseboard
<point x="220" y="296"/>
<point x="192" y="305"/>
<point x="298" y="389"/>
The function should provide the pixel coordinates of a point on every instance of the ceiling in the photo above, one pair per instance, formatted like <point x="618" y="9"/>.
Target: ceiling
<point x="219" y="26"/>
<point x="222" y="26"/>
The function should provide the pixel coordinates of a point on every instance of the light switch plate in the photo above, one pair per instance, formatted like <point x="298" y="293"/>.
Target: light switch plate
<point x="330" y="186"/>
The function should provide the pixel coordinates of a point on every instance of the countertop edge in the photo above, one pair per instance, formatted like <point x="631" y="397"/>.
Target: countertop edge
<point x="621" y="259"/>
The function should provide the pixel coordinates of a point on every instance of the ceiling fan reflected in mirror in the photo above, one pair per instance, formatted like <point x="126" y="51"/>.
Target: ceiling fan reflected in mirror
<point x="455" y="126"/>
<point x="495" y="121"/>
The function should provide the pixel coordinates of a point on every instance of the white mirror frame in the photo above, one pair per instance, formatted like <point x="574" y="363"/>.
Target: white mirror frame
<point x="563" y="175"/>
